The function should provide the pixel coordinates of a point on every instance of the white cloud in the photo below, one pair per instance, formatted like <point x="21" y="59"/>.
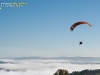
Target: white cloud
<point x="42" y="67"/>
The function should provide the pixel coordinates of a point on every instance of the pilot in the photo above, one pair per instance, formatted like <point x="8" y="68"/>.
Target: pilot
<point x="80" y="43"/>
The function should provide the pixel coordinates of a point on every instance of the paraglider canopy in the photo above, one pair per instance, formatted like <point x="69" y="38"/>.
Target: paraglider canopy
<point x="79" y="23"/>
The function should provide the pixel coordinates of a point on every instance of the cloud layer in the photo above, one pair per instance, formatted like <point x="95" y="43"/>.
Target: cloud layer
<point x="46" y="66"/>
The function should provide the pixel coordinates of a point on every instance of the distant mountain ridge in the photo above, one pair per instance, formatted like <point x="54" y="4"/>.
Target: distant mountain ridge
<point x="75" y="58"/>
<point x="2" y="62"/>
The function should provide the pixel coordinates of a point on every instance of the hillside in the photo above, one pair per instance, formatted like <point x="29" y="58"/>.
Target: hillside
<point x="83" y="72"/>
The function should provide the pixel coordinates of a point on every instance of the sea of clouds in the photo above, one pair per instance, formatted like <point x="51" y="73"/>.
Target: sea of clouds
<point x="46" y="65"/>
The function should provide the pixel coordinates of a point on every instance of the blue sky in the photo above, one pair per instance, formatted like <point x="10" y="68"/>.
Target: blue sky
<point x="42" y="28"/>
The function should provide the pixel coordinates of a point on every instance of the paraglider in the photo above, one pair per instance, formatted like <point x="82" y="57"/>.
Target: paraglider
<point x="77" y="24"/>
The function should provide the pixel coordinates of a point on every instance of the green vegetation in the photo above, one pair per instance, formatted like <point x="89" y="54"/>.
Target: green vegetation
<point x="86" y="72"/>
<point x="83" y="72"/>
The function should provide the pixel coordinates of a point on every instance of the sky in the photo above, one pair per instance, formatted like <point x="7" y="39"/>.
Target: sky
<point x="42" y="28"/>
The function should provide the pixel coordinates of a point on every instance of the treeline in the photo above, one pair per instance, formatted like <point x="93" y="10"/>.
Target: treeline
<point x="83" y="72"/>
<point x="86" y="72"/>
